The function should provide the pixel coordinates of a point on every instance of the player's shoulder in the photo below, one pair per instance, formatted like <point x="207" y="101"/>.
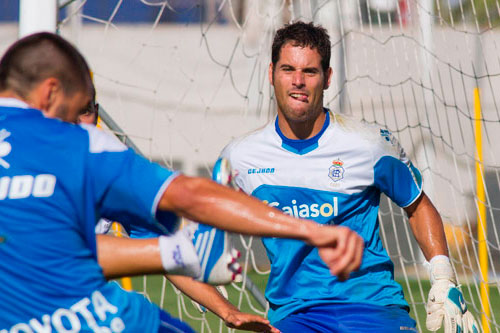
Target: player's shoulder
<point x="58" y="130"/>
<point x="47" y="131"/>
<point x="249" y="141"/>
<point x="82" y="137"/>
<point x="90" y="136"/>
<point x="357" y="128"/>
<point x="369" y="135"/>
<point x="100" y="141"/>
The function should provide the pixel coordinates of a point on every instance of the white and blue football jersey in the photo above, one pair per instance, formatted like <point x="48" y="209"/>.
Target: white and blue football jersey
<point x="333" y="178"/>
<point x="56" y="180"/>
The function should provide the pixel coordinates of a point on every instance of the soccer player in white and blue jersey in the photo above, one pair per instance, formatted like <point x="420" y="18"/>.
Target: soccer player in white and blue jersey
<point x="311" y="163"/>
<point x="53" y="188"/>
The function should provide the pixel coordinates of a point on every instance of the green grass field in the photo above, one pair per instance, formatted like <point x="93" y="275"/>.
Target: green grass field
<point x="191" y="315"/>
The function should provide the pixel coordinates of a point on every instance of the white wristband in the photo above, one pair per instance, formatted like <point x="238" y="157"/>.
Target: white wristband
<point x="103" y="226"/>
<point x="440" y="269"/>
<point x="178" y="255"/>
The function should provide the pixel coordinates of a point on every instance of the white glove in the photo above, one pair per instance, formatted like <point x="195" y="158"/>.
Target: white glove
<point x="446" y="302"/>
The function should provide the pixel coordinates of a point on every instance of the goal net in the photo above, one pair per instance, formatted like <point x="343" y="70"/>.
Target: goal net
<point x="180" y="79"/>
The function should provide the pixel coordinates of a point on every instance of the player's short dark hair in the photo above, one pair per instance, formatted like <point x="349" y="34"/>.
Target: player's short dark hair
<point x="303" y="34"/>
<point x="37" y="57"/>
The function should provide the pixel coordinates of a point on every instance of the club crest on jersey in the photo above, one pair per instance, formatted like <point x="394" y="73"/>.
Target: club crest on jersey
<point x="5" y="148"/>
<point x="336" y="170"/>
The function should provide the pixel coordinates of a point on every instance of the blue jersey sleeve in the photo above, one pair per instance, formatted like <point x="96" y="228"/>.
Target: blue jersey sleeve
<point x="394" y="174"/>
<point x="126" y="186"/>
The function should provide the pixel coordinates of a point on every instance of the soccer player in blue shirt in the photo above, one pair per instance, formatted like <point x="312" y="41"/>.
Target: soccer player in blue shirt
<point x="143" y="257"/>
<point x="312" y="163"/>
<point x="53" y="189"/>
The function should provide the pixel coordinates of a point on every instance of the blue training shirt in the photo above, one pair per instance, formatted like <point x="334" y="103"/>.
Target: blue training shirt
<point x="334" y="178"/>
<point x="56" y="180"/>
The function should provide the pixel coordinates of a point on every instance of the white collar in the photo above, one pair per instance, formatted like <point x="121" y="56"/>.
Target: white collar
<point x="13" y="102"/>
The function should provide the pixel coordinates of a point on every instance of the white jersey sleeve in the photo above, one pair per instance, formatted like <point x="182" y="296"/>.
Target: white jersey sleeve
<point x="394" y="173"/>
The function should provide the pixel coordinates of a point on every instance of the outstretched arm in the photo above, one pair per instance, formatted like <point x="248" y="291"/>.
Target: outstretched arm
<point x="202" y="200"/>
<point x="210" y="298"/>
<point x="219" y="206"/>
<point x="205" y="201"/>
<point x="174" y="254"/>
<point x="142" y="256"/>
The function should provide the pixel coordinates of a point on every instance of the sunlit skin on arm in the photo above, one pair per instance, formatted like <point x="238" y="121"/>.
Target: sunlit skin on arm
<point x="427" y="227"/>
<point x="339" y="247"/>
<point x="119" y="257"/>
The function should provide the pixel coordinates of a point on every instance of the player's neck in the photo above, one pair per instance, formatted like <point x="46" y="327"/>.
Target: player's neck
<point x="10" y="94"/>
<point x="301" y="130"/>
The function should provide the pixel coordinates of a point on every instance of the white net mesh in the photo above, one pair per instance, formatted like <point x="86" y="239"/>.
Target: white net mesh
<point x="182" y="78"/>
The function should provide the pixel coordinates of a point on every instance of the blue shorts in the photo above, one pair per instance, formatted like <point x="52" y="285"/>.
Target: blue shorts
<point x="348" y="318"/>
<point x="169" y="324"/>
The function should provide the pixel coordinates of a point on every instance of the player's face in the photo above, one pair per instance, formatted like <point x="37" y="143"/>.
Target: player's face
<point x="299" y="81"/>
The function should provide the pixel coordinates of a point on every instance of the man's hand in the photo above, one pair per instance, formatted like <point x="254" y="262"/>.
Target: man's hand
<point x="340" y="248"/>
<point x="446" y="301"/>
<point x="248" y="322"/>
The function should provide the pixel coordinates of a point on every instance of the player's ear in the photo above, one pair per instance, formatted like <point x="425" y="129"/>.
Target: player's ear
<point x="54" y="90"/>
<point x="328" y="78"/>
<point x="271" y="73"/>
<point x="44" y="94"/>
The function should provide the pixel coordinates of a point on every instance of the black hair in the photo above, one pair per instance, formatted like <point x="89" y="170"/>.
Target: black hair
<point x="303" y="34"/>
<point x="39" y="56"/>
